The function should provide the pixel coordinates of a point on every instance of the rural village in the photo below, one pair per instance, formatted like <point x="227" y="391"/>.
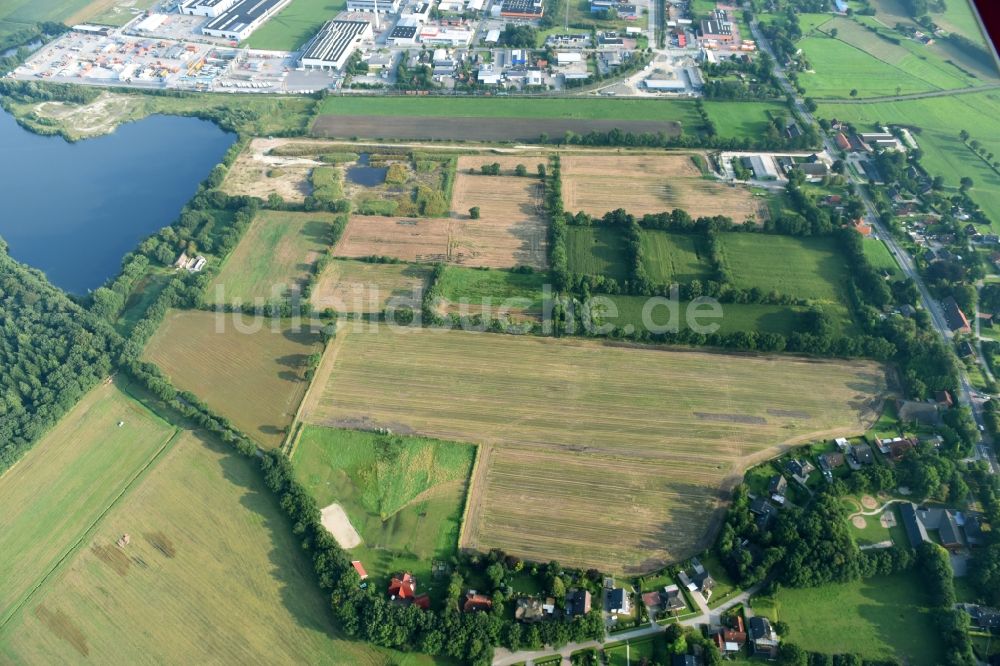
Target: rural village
<point x="513" y="332"/>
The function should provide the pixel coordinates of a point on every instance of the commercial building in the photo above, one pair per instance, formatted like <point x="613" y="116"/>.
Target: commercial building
<point x="209" y="8"/>
<point x="404" y="34"/>
<point x="716" y="30"/>
<point x="380" y="6"/>
<point x="240" y="20"/>
<point x="432" y="35"/>
<point x="334" y="44"/>
<point x="523" y="9"/>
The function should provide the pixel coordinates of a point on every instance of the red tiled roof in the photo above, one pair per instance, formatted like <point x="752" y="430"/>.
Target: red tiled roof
<point x="404" y="587"/>
<point x="360" y="569"/>
<point x="477" y="602"/>
<point x="422" y="602"/>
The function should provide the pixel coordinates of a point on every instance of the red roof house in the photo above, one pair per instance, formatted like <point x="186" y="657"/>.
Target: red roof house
<point x="476" y="602"/>
<point x="404" y="587"/>
<point x="360" y="569"/>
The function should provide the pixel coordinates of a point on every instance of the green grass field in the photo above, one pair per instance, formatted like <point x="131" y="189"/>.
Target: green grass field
<point x="781" y="319"/>
<point x="597" y="251"/>
<point x="294" y="25"/>
<point x="937" y="122"/>
<point x="747" y="119"/>
<point x="15" y="14"/>
<point x="492" y="288"/>
<point x="643" y="650"/>
<point x="276" y="254"/>
<point x="669" y="257"/>
<point x="879" y="256"/>
<point x="212" y="574"/>
<point x="66" y="482"/>
<point x="404" y="496"/>
<point x="810" y="268"/>
<point x="877" y="618"/>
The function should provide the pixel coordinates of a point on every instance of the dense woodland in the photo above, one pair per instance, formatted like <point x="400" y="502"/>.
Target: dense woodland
<point x="51" y="351"/>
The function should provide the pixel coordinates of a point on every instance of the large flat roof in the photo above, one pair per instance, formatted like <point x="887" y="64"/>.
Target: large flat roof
<point x="334" y="39"/>
<point x="242" y="14"/>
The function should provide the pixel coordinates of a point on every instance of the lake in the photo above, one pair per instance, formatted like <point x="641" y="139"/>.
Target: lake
<point x="74" y="210"/>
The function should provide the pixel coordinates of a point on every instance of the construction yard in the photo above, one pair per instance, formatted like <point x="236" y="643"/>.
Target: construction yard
<point x="596" y="184"/>
<point x="251" y="371"/>
<point x="655" y="436"/>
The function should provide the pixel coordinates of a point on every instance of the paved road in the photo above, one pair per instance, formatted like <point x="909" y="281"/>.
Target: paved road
<point x="903" y="98"/>
<point x="902" y="257"/>
<point x="710" y="617"/>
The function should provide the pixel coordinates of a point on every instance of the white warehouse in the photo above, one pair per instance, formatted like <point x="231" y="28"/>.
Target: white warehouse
<point x="209" y="8"/>
<point x="242" y="18"/>
<point x="334" y="43"/>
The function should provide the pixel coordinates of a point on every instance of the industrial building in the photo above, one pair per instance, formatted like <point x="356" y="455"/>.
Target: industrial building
<point x="379" y="6"/>
<point x="523" y="9"/>
<point x="404" y="34"/>
<point x="209" y="8"/>
<point x="715" y="30"/>
<point x="242" y="18"/>
<point x="334" y="44"/>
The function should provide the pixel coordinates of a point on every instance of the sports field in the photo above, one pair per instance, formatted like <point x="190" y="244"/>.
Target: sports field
<point x="597" y="184"/>
<point x="294" y="25"/>
<point x="597" y="251"/>
<point x="879" y="618"/>
<point x="362" y="287"/>
<point x="674" y="258"/>
<point x="595" y="454"/>
<point x="63" y="485"/>
<point x="249" y="372"/>
<point x="275" y="255"/>
<point x="810" y="267"/>
<point x="473" y="291"/>
<point x="403" y="495"/>
<point x="211" y="573"/>
<point x="937" y="123"/>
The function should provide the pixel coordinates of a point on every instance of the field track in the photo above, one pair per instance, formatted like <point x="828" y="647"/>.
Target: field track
<point x="476" y="129"/>
<point x="602" y="455"/>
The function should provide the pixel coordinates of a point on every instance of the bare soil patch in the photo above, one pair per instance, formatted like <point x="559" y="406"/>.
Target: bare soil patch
<point x="256" y="173"/>
<point x="361" y="287"/>
<point x="644" y="184"/>
<point x="337" y="523"/>
<point x="868" y="502"/>
<point x="859" y="522"/>
<point x="476" y="129"/>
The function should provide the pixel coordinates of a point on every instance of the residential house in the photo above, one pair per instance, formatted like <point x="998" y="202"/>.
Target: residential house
<point x="619" y="601"/>
<point x="699" y="580"/>
<point x="683" y="660"/>
<point x="983" y="617"/>
<point x="831" y="461"/>
<point x="944" y="399"/>
<point x="779" y="484"/>
<point x="954" y="316"/>
<point x="531" y="609"/>
<point x="763" y="640"/>
<point x="731" y="639"/>
<point x="577" y="602"/>
<point x="403" y="590"/>
<point x="918" y="520"/>
<point x="862" y="454"/>
<point x="475" y="602"/>
<point x="765" y="512"/>
<point x="800" y="469"/>
<point x="898" y="447"/>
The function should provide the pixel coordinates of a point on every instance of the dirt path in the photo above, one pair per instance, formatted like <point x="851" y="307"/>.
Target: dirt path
<point x="474" y="502"/>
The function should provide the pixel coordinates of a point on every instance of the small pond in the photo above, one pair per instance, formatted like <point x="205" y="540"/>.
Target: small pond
<point x="362" y="174"/>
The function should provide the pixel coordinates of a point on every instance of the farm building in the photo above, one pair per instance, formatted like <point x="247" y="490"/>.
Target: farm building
<point x="524" y="9"/>
<point x="360" y="569"/>
<point x="403" y="590"/>
<point x="884" y="140"/>
<point x="761" y="165"/>
<point x="209" y="8"/>
<point x="334" y="44"/>
<point x="242" y="18"/>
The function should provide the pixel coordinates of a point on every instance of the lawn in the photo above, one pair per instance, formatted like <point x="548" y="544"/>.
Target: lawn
<point x="212" y="573"/>
<point x="744" y="119"/>
<point x="597" y="251"/>
<point x="404" y="495"/>
<point x="248" y="369"/>
<point x="877" y="618"/>
<point x="294" y="25"/>
<point x="66" y="482"/>
<point x="810" y="268"/>
<point x="487" y="291"/>
<point x="275" y="255"/>
<point x="879" y="257"/>
<point x="569" y="428"/>
<point x="674" y="258"/>
<point x="763" y="318"/>
<point x="642" y="650"/>
<point x="937" y="123"/>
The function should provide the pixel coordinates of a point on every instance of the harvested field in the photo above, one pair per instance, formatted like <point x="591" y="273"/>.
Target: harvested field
<point x="209" y="549"/>
<point x="476" y="129"/>
<point x="364" y="288"/>
<point x="247" y="371"/>
<point x="598" y="457"/>
<point x="493" y="242"/>
<point x="597" y="184"/>
<point x="275" y="255"/>
<point x="508" y="163"/>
